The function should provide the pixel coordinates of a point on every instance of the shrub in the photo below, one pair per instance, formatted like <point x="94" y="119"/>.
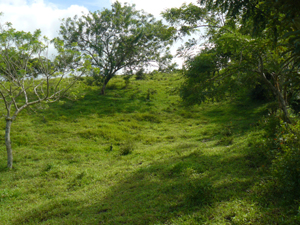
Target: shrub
<point x="90" y="81"/>
<point x="286" y="165"/>
<point x="126" y="79"/>
<point x="126" y="148"/>
<point x="140" y="75"/>
<point x="280" y="150"/>
<point x="261" y="93"/>
<point x="264" y="147"/>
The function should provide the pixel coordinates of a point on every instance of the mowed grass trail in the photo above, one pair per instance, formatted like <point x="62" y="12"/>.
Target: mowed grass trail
<point x="136" y="156"/>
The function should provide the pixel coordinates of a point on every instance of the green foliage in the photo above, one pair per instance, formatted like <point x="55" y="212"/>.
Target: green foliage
<point x="197" y="87"/>
<point x="28" y="77"/>
<point x="140" y="74"/>
<point x="187" y="17"/>
<point x="235" y="56"/>
<point x="260" y="92"/>
<point x="120" y="38"/>
<point x="286" y="165"/>
<point x="150" y="94"/>
<point x="278" y="150"/>
<point x="127" y="81"/>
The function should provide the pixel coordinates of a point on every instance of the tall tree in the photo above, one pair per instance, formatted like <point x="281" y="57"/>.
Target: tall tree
<point x="28" y="76"/>
<point x="116" y="39"/>
<point x="279" y="19"/>
<point x="237" y="54"/>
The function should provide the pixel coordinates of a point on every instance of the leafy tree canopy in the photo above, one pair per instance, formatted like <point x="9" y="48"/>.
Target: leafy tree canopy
<point x="236" y="55"/>
<point x="116" y="39"/>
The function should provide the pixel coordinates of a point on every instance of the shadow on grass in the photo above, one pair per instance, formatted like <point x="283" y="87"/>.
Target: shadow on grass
<point x="115" y="101"/>
<point x="153" y="194"/>
<point x="236" y="116"/>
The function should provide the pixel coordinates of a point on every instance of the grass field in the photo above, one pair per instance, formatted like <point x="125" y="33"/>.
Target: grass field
<point x="137" y="156"/>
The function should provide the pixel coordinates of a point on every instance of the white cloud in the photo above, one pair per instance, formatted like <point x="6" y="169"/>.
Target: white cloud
<point x="29" y="15"/>
<point x="36" y="15"/>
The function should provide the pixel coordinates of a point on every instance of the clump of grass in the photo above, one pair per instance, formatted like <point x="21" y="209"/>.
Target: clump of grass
<point x="147" y="117"/>
<point x="78" y="181"/>
<point x="126" y="148"/>
<point x="200" y="192"/>
<point x="226" y="135"/>
<point x="226" y="141"/>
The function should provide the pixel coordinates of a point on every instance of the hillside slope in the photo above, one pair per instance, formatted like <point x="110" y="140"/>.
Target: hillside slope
<point x="136" y="156"/>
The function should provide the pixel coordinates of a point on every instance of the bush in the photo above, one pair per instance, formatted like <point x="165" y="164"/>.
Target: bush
<point x="279" y="150"/>
<point x="90" y="81"/>
<point x="140" y="75"/>
<point x="295" y="105"/>
<point x="126" y="148"/>
<point x="261" y="93"/>
<point x="286" y="165"/>
<point x="126" y="79"/>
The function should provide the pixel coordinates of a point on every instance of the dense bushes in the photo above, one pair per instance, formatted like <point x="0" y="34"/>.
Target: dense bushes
<point x="286" y="163"/>
<point x="280" y="151"/>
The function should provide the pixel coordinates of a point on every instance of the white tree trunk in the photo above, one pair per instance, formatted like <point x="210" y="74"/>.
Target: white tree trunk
<point x="8" y="143"/>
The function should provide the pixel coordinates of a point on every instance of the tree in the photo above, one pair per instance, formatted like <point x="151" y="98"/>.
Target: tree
<point x="28" y="76"/>
<point x="187" y="51"/>
<point x="118" y="39"/>
<point x="237" y="55"/>
<point x="279" y="19"/>
<point x="237" y="61"/>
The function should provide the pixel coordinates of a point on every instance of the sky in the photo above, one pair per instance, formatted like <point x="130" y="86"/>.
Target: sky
<point x="29" y="15"/>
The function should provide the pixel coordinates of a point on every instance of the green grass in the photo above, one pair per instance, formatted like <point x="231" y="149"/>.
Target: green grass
<point x="131" y="157"/>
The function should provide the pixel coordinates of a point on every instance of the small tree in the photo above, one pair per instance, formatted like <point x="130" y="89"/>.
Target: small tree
<point x="116" y="39"/>
<point x="28" y="77"/>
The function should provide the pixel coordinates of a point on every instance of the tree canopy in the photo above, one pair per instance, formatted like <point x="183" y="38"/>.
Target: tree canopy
<point x="121" y="38"/>
<point x="247" y="44"/>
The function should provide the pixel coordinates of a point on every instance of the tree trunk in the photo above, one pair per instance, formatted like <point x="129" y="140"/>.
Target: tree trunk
<point x="280" y="98"/>
<point x="103" y="88"/>
<point x="107" y="79"/>
<point x="8" y="143"/>
<point x="284" y="108"/>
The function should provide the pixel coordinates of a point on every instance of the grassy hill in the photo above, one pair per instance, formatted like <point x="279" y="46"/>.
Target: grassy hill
<point x="136" y="156"/>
